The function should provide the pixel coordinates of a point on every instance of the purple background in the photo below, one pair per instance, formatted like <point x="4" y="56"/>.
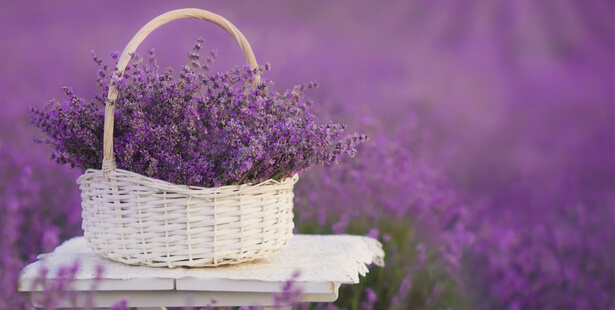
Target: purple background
<point x="502" y="109"/>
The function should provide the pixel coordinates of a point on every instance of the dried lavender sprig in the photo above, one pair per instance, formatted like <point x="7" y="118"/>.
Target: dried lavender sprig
<point x="197" y="129"/>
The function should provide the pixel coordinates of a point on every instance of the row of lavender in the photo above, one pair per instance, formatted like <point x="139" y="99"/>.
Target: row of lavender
<point x="489" y="171"/>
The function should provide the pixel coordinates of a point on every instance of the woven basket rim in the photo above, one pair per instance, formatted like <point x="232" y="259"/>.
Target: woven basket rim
<point x="90" y="173"/>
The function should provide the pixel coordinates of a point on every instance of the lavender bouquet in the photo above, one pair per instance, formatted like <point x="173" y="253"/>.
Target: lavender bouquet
<point x="197" y="129"/>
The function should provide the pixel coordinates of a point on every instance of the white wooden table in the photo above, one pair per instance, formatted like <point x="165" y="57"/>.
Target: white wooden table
<point x="323" y="263"/>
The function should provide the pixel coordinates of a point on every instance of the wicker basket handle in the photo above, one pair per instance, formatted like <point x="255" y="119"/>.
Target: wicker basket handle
<point x="108" y="157"/>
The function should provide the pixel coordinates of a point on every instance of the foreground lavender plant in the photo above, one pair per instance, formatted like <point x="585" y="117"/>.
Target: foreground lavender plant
<point x="399" y="197"/>
<point x="38" y="208"/>
<point x="199" y="129"/>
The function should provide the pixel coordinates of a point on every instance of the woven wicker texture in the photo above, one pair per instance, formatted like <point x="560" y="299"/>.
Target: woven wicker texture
<point x="134" y="219"/>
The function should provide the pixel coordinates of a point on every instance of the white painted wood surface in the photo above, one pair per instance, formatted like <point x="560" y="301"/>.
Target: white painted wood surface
<point x="332" y="260"/>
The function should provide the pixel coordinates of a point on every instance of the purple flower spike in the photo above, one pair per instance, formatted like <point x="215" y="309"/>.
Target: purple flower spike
<point x="195" y="129"/>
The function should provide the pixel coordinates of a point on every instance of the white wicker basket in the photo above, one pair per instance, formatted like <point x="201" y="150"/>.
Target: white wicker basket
<point x="134" y="219"/>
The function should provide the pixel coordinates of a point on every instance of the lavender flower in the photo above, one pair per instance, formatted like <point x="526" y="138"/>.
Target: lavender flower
<point x="290" y="295"/>
<point x="198" y="129"/>
<point x="37" y="209"/>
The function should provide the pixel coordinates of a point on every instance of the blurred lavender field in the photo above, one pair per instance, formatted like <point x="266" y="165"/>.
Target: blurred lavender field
<point x="490" y="172"/>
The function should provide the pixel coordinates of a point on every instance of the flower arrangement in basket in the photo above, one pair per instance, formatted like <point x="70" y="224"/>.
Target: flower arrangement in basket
<point x="204" y="165"/>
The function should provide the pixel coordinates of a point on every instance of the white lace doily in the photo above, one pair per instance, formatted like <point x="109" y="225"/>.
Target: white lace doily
<point x="318" y="258"/>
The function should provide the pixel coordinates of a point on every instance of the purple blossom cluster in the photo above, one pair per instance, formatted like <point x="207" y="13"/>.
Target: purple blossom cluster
<point x="38" y="209"/>
<point x="199" y="129"/>
<point x="419" y="217"/>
